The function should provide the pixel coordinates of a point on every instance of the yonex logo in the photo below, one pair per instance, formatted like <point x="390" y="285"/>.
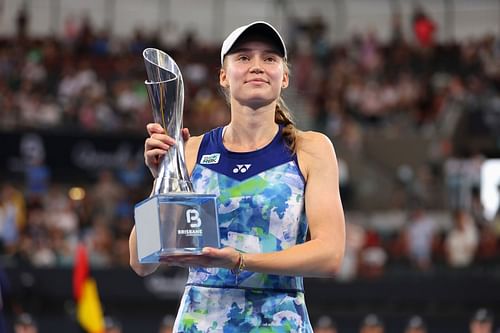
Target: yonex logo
<point x="241" y="168"/>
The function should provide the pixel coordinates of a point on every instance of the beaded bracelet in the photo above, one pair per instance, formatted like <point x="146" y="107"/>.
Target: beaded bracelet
<point x="240" y="266"/>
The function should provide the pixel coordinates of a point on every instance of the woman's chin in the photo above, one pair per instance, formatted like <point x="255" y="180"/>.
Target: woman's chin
<point x="257" y="102"/>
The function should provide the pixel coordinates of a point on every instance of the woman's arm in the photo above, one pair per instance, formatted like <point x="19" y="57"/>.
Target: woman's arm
<point x="140" y="269"/>
<point x="322" y="255"/>
<point x="154" y="149"/>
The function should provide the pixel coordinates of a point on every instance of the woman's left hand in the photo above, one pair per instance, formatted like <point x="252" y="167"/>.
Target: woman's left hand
<point x="211" y="257"/>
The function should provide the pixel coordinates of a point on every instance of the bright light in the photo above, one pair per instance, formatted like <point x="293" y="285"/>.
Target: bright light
<point x="76" y="193"/>
<point x="490" y="182"/>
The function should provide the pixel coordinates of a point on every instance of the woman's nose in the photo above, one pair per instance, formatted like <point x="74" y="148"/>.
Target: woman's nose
<point x="256" y="65"/>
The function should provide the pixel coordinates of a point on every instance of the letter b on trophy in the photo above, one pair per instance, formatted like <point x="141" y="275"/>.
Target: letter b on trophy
<point x="174" y="220"/>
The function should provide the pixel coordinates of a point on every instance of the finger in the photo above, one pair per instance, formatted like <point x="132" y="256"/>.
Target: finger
<point x="196" y="261"/>
<point x="185" y="134"/>
<point x="210" y="251"/>
<point x="154" y="154"/>
<point x="163" y="138"/>
<point x="183" y="263"/>
<point x="153" y="162"/>
<point x="154" y="128"/>
<point x="174" y="261"/>
<point x="151" y="143"/>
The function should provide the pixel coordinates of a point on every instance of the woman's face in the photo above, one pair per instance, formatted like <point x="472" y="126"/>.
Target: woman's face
<point x="254" y="74"/>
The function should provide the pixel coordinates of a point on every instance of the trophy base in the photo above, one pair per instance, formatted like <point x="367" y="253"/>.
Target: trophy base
<point x="179" y="252"/>
<point x="175" y="224"/>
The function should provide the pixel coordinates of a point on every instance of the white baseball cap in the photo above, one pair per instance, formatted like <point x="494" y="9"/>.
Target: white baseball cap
<point x="257" y="27"/>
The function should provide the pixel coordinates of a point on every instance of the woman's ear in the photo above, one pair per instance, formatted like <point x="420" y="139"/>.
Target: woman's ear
<point x="223" y="78"/>
<point x="285" y="81"/>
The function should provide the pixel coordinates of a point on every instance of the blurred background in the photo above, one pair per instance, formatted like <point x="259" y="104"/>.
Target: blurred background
<point x="407" y="90"/>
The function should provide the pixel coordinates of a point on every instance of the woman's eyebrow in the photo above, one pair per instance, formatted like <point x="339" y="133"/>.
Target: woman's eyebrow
<point x="247" y="49"/>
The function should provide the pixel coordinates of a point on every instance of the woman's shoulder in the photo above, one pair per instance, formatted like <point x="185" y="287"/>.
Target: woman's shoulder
<point x="191" y="151"/>
<point x="194" y="142"/>
<point x="315" y="153"/>
<point x="314" y="150"/>
<point x="195" y="139"/>
<point x="211" y="135"/>
<point x="312" y="142"/>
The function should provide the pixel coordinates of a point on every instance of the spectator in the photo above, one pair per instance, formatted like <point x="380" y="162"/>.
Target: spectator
<point x="166" y="324"/>
<point x="372" y="324"/>
<point x="112" y="325"/>
<point x="22" y="21"/>
<point x="37" y="179"/>
<point x="12" y="217"/>
<point x="25" y="323"/>
<point x="373" y="256"/>
<point x="416" y="325"/>
<point x="419" y="239"/>
<point x="106" y="194"/>
<point x="424" y="28"/>
<point x="481" y="322"/>
<point x="325" y="324"/>
<point x="488" y="250"/>
<point x="355" y="239"/>
<point x="461" y="241"/>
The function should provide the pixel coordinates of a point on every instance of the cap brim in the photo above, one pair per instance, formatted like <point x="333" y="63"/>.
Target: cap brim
<point x="258" y="29"/>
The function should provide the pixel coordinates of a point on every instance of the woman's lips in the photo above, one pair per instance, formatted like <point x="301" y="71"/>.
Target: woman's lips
<point x="257" y="80"/>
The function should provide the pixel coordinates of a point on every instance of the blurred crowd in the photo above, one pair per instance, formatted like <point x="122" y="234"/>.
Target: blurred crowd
<point x="92" y="82"/>
<point x="43" y="228"/>
<point x="26" y="323"/>
<point x="482" y="321"/>
<point x="403" y="85"/>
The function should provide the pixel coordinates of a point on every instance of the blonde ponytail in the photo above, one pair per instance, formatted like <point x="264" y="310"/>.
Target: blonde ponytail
<point x="282" y="116"/>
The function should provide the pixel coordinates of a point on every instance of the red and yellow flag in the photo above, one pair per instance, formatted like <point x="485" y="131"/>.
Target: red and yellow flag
<point x="88" y="306"/>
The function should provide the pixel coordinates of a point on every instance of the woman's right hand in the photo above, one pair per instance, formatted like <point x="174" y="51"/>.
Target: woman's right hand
<point x="157" y="144"/>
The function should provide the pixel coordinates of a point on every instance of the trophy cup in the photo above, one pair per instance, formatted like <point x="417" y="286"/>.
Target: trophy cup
<point x="174" y="220"/>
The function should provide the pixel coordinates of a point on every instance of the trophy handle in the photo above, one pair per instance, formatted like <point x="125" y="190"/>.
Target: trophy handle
<point x="165" y="88"/>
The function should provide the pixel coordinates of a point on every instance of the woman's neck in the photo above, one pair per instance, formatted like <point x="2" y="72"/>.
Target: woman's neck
<point x="250" y="129"/>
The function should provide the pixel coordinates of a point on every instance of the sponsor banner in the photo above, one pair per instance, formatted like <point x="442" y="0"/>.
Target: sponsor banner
<point x="68" y="156"/>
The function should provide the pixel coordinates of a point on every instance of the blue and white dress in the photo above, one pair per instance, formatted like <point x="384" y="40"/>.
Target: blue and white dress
<point x="260" y="198"/>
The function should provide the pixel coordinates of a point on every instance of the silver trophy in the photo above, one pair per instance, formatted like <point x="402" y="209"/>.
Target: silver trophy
<point x="174" y="220"/>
